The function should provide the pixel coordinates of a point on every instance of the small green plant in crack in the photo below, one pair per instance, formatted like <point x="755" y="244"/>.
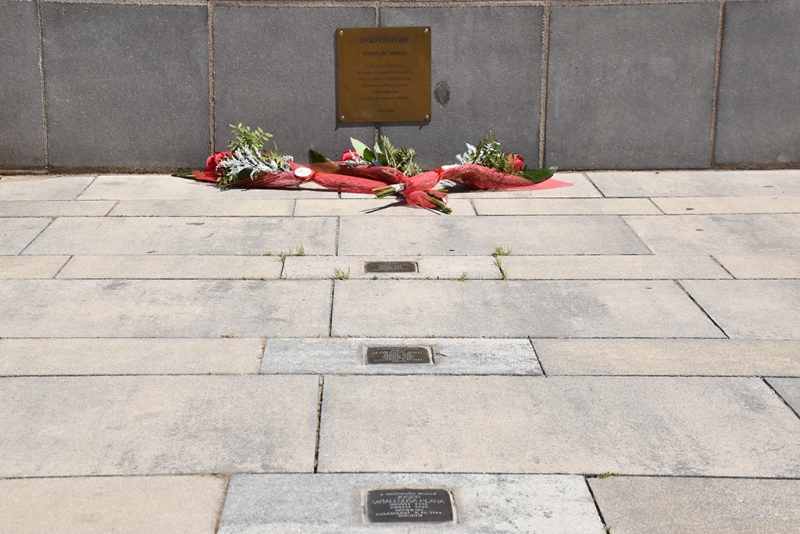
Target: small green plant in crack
<point x="608" y="474"/>
<point x="339" y="274"/>
<point x="501" y="251"/>
<point x="607" y="529"/>
<point x="499" y="264"/>
<point x="463" y="277"/>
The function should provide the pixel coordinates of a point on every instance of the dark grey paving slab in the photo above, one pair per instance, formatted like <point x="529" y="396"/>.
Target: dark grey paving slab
<point x="401" y="308"/>
<point x="641" y="99"/>
<point x="682" y="357"/>
<point x="182" y="235"/>
<point x="116" y="99"/>
<point x="476" y="236"/>
<point x="740" y="235"/>
<point x="128" y="356"/>
<point x="21" y="120"/>
<point x="450" y="356"/>
<point x="97" y="505"/>
<point x="333" y="503"/>
<point x="285" y="84"/>
<point x="665" y="505"/>
<point x="789" y="390"/>
<point x="746" y="309"/>
<point x="758" y="96"/>
<point x="627" y="425"/>
<point x="48" y="187"/>
<point x="15" y="234"/>
<point x="753" y="183"/>
<point x="468" y="60"/>
<point x="163" y="308"/>
<point x="126" y="425"/>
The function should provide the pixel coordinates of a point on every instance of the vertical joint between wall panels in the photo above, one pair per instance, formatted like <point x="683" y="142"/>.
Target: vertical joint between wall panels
<point x="211" y="106"/>
<point x="376" y="131"/>
<point x="717" y="70"/>
<point x="543" y="94"/>
<point x="45" y="133"/>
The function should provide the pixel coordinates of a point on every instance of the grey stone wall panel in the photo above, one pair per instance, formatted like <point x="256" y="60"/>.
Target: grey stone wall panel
<point x="631" y="86"/>
<point x="127" y="85"/>
<point x="486" y="69"/>
<point x="274" y="67"/>
<point x="21" y="132"/>
<point x="758" y="119"/>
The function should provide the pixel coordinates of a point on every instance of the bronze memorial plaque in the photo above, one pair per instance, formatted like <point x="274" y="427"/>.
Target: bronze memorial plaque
<point x="409" y="506"/>
<point x="383" y="74"/>
<point x="391" y="267"/>
<point x="398" y="355"/>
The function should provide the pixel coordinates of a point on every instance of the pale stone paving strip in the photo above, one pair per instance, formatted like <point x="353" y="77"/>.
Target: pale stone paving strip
<point x="750" y="309"/>
<point x="186" y="235"/>
<point x="564" y="206"/>
<point x="55" y="208"/>
<point x="155" y="266"/>
<point x="145" y="425"/>
<point x="709" y="205"/>
<point x="611" y="267"/>
<point x="31" y="266"/>
<point x="478" y="236"/>
<point x="698" y="183"/>
<point x="42" y="187"/>
<point x="542" y="308"/>
<point x="580" y="188"/>
<point x="740" y="235"/>
<point x="789" y="390"/>
<point x="333" y="503"/>
<point x="17" y="233"/>
<point x="761" y="266"/>
<point x="98" y="505"/>
<point x="218" y="207"/>
<point x="372" y="207"/>
<point x="164" y="308"/>
<point x="450" y="356"/>
<point x="629" y="425"/>
<point x="137" y="356"/>
<point x="702" y="357"/>
<point x="444" y="267"/>
<point x="665" y="505"/>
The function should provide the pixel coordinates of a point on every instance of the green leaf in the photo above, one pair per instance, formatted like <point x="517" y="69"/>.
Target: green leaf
<point x="316" y="157"/>
<point x="182" y="175"/>
<point x="361" y="148"/>
<point x="368" y="155"/>
<point x="538" y="175"/>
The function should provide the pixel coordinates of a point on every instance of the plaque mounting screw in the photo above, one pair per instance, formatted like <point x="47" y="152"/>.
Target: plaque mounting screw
<point x="341" y="118"/>
<point x="341" y="32"/>
<point x="427" y="117"/>
<point x="426" y="30"/>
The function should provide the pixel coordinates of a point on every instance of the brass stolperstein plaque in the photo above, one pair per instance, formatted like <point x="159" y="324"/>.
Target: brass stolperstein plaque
<point x="383" y="74"/>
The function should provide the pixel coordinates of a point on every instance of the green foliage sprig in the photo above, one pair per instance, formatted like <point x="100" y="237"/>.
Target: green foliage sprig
<point x="249" y="158"/>
<point x="490" y="154"/>
<point x="386" y="154"/>
<point x="246" y="138"/>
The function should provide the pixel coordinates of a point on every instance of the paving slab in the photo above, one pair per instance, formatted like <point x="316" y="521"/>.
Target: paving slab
<point x="627" y="425"/>
<point x="789" y="390"/>
<point x="581" y="188"/>
<point x="218" y="207"/>
<point x="478" y="236"/>
<point x="444" y="267"/>
<point x="130" y="356"/>
<point x="698" y="183"/>
<point x="565" y="206"/>
<point x="50" y="187"/>
<point x="17" y="233"/>
<point x="746" y="309"/>
<point x="449" y="356"/>
<point x="186" y="235"/>
<point x="741" y="235"/>
<point x="690" y="205"/>
<point x="611" y="267"/>
<point x="54" y="208"/>
<point x="333" y="503"/>
<point x="166" y="187"/>
<point x="174" y="267"/>
<point x="31" y="266"/>
<point x="125" y="505"/>
<point x="374" y="207"/>
<point x="146" y="425"/>
<point x="682" y="357"/>
<point x="665" y="505"/>
<point x="761" y="266"/>
<point x="488" y="308"/>
<point x="163" y="308"/>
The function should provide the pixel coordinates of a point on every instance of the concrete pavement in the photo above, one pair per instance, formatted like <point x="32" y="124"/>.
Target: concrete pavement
<point x="622" y="353"/>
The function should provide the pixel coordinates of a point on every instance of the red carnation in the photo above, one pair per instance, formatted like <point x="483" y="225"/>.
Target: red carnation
<point x="516" y="161"/>
<point x="213" y="162"/>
